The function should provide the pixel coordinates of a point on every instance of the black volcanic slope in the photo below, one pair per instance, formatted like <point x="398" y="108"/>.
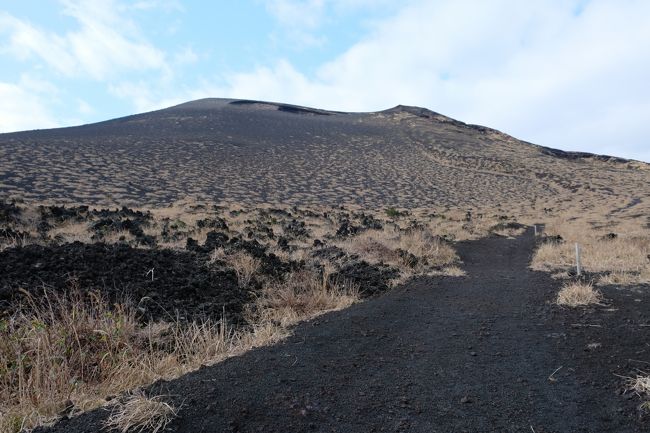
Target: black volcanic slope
<point x="258" y="152"/>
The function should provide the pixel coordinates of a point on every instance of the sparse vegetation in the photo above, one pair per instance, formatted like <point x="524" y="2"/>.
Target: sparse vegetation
<point x="640" y="385"/>
<point x="416" y="252"/>
<point x="508" y="230"/>
<point x="313" y="244"/>
<point x="68" y="348"/>
<point x="391" y="212"/>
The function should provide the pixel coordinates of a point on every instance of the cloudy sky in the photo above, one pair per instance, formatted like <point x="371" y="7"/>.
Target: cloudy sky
<point x="571" y="74"/>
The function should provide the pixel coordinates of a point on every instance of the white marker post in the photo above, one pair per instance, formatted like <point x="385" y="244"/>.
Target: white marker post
<point x="578" y="267"/>
<point x="535" y="226"/>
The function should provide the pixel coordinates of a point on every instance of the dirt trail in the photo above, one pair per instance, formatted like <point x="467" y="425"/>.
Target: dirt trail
<point x="469" y="354"/>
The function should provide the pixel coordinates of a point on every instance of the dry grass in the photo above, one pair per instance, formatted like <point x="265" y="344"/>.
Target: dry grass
<point x="619" y="255"/>
<point x="624" y="278"/>
<point x="80" y="348"/>
<point x="72" y="232"/>
<point x="141" y="413"/>
<point x="563" y="275"/>
<point x="421" y="252"/>
<point x="639" y="385"/>
<point x="301" y="296"/>
<point x="509" y="233"/>
<point x="244" y="265"/>
<point x="576" y="294"/>
<point x="11" y="242"/>
<point x="454" y="224"/>
<point x="624" y="260"/>
<point x="453" y="271"/>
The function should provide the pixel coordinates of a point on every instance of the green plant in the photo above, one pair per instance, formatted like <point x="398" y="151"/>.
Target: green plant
<point x="391" y="212"/>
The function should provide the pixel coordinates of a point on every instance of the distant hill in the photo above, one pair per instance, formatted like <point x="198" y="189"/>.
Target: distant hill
<point x="261" y="152"/>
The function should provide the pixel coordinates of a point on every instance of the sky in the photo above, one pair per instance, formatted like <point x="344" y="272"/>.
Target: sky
<point x="569" y="74"/>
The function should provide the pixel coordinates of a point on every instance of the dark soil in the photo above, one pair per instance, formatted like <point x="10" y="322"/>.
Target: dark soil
<point x="484" y="353"/>
<point x="370" y="279"/>
<point x="183" y="285"/>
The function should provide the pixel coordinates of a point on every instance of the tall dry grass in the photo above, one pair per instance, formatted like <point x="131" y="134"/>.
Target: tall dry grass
<point x="74" y="349"/>
<point x="244" y="264"/>
<point x="139" y="412"/>
<point x="623" y="260"/>
<point x="302" y="295"/>
<point x="81" y="348"/>
<point x="413" y="252"/>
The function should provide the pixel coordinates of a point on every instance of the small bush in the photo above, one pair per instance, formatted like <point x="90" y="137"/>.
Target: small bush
<point x="391" y="212"/>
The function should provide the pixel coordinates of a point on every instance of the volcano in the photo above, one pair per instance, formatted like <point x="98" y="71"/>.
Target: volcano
<point x="260" y="152"/>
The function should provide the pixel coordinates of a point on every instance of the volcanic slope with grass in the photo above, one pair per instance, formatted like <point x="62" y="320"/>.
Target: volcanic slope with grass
<point x="157" y="267"/>
<point x="259" y="152"/>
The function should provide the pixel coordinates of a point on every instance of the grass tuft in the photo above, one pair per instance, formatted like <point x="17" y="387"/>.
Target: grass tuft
<point x="244" y="265"/>
<point x="577" y="294"/>
<point x="140" y="413"/>
<point x="639" y="384"/>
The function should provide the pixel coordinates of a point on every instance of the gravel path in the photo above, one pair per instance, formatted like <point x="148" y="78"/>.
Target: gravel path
<point x="484" y="353"/>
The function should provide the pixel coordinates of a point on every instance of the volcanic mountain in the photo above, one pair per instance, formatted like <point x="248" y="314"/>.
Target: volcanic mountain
<point x="261" y="152"/>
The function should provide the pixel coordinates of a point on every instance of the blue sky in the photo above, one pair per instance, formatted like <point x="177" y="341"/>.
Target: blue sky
<point x="570" y="74"/>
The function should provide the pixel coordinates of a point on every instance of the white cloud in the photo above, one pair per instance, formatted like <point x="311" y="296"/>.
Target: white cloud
<point x="166" y="5"/>
<point x="305" y="13"/>
<point x="539" y="70"/>
<point x="26" y="41"/>
<point x="106" y="43"/>
<point x="84" y="107"/>
<point x="22" y="109"/>
<point x="311" y="14"/>
<point x="301" y="21"/>
<point x="186" y="56"/>
<point x="145" y="95"/>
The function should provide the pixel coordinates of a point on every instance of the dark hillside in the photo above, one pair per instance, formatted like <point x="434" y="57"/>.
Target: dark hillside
<point x="259" y="152"/>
